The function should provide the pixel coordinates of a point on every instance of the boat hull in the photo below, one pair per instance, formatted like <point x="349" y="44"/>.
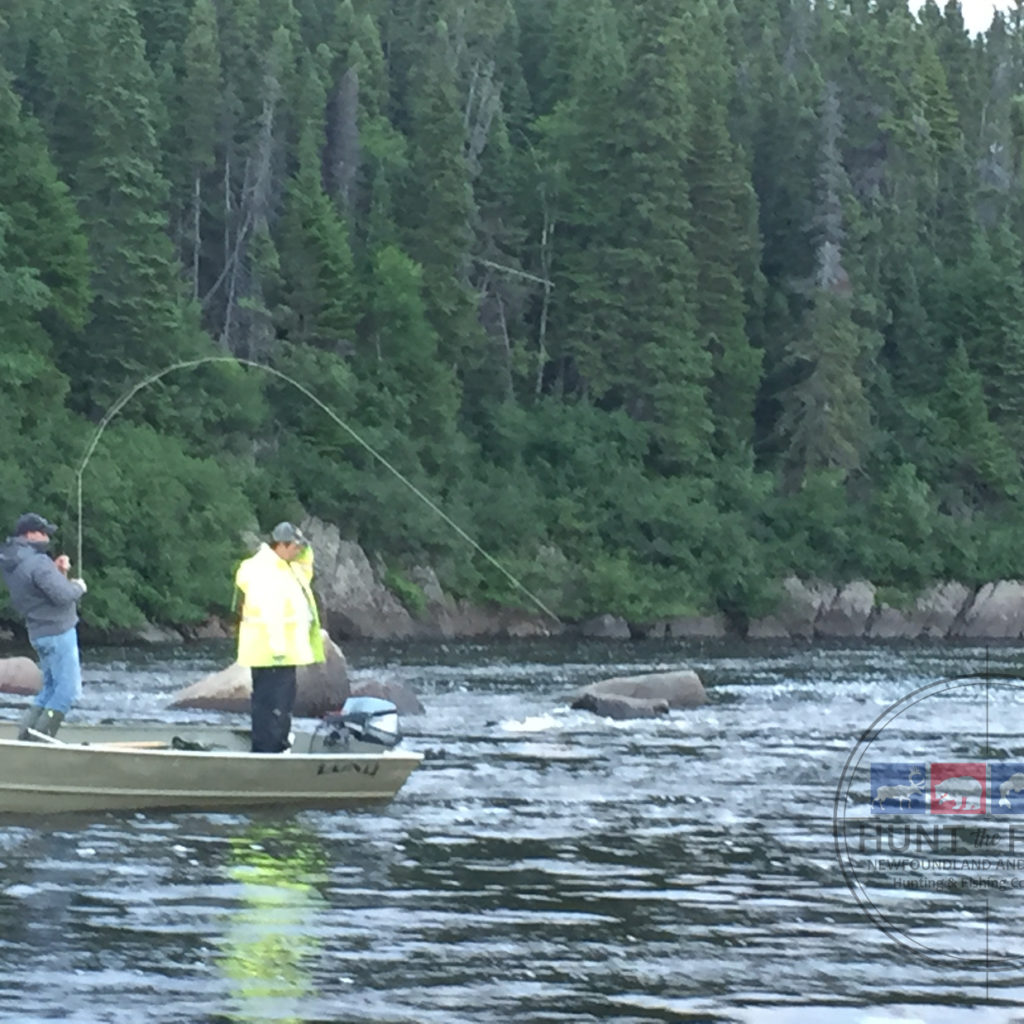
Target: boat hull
<point x="122" y="768"/>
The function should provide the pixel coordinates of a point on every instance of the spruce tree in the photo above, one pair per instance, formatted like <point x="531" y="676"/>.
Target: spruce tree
<point x="826" y="416"/>
<point x="628" y="312"/>
<point x="43" y="230"/>
<point x="136" y="323"/>
<point x="983" y="299"/>
<point x="724" y="240"/>
<point x="44" y="299"/>
<point x="419" y="391"/>
<point x="973" y="465"/>
<point x="320" y="303"/>
<point x="438" y="206"/>
<point x="33" y="390"/>
<point x="200" y="87"/>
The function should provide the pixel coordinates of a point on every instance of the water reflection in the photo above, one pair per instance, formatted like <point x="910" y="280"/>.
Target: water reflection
<point x="269" y="944"/>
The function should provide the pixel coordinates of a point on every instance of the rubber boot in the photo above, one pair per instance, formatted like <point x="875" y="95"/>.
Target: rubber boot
<point x="28" y="721"/>
<point x="49" y="722"/>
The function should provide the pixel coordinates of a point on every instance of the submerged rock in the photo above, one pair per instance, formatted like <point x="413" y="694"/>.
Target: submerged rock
<point x="620" y="708"/>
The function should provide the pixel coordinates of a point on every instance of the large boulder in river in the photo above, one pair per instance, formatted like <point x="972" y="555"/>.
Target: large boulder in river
<point x="226" y="690"/>
<point x="682" y="689"/>
<point x="319" y="688"/>
<point x="20" y="675"/>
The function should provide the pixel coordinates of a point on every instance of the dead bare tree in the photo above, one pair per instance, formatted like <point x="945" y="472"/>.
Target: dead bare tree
<point x="483" y="102"/>
<point x="547" y="235"/>
<point x="343" y="152"/>
<point x="243" y="281"/>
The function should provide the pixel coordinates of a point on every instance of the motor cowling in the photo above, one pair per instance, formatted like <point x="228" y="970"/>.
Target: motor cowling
<point x="367" y="719"/>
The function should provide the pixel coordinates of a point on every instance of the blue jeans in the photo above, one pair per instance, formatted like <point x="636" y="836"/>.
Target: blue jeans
<point x="62" y="672"/>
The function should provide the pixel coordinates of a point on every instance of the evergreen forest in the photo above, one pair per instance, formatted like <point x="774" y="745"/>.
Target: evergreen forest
<point x="659" y="300"/>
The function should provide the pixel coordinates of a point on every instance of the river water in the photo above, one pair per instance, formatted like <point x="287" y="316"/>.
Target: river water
<point x="542" y="866"/>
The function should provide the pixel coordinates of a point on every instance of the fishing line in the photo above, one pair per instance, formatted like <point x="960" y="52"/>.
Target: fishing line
<point x="191" y="364"/>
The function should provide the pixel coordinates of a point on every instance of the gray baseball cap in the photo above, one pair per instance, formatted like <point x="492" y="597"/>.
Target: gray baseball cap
<point x="287" y="533"/>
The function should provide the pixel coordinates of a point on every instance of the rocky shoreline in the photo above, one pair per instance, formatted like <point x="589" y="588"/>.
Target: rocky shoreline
<point x="812" y="609"/>
<point x="357" y="604"/>
<point x="808" y="610"/>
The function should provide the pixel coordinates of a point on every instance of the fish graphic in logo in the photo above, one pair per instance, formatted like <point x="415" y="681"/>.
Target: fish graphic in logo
<point x="1008" y="784"/>
<point x="958" y="788"/>
<point x="899" y="787"/>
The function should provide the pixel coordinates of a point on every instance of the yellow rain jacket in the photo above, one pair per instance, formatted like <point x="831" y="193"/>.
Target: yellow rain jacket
<point x="280" y="624"/>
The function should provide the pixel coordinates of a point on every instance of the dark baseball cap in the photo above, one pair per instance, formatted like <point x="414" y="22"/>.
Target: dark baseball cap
<point x="32" y="523"/>
<point x="287" y="533"/>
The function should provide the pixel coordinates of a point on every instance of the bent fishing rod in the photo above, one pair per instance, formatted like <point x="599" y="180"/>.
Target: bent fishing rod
<point x="188" y="364"/>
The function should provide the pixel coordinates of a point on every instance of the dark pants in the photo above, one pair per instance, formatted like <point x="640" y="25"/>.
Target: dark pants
<point x="273" y="697"/>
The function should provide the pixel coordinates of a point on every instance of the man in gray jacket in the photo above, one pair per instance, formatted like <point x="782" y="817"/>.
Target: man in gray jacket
<point x="42" y="593"/>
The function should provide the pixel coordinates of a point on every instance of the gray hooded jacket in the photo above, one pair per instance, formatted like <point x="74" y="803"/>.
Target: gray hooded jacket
<point x="40" y="592"/>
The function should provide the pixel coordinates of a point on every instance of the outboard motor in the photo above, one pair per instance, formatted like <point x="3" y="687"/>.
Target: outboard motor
<point x="370" y="720"/>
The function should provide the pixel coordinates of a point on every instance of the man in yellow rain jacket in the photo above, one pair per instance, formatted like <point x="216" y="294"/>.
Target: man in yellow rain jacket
<point x="279" y="629"/>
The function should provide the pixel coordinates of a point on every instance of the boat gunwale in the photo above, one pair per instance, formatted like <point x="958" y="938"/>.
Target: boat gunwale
<point x="291" y="755"/>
